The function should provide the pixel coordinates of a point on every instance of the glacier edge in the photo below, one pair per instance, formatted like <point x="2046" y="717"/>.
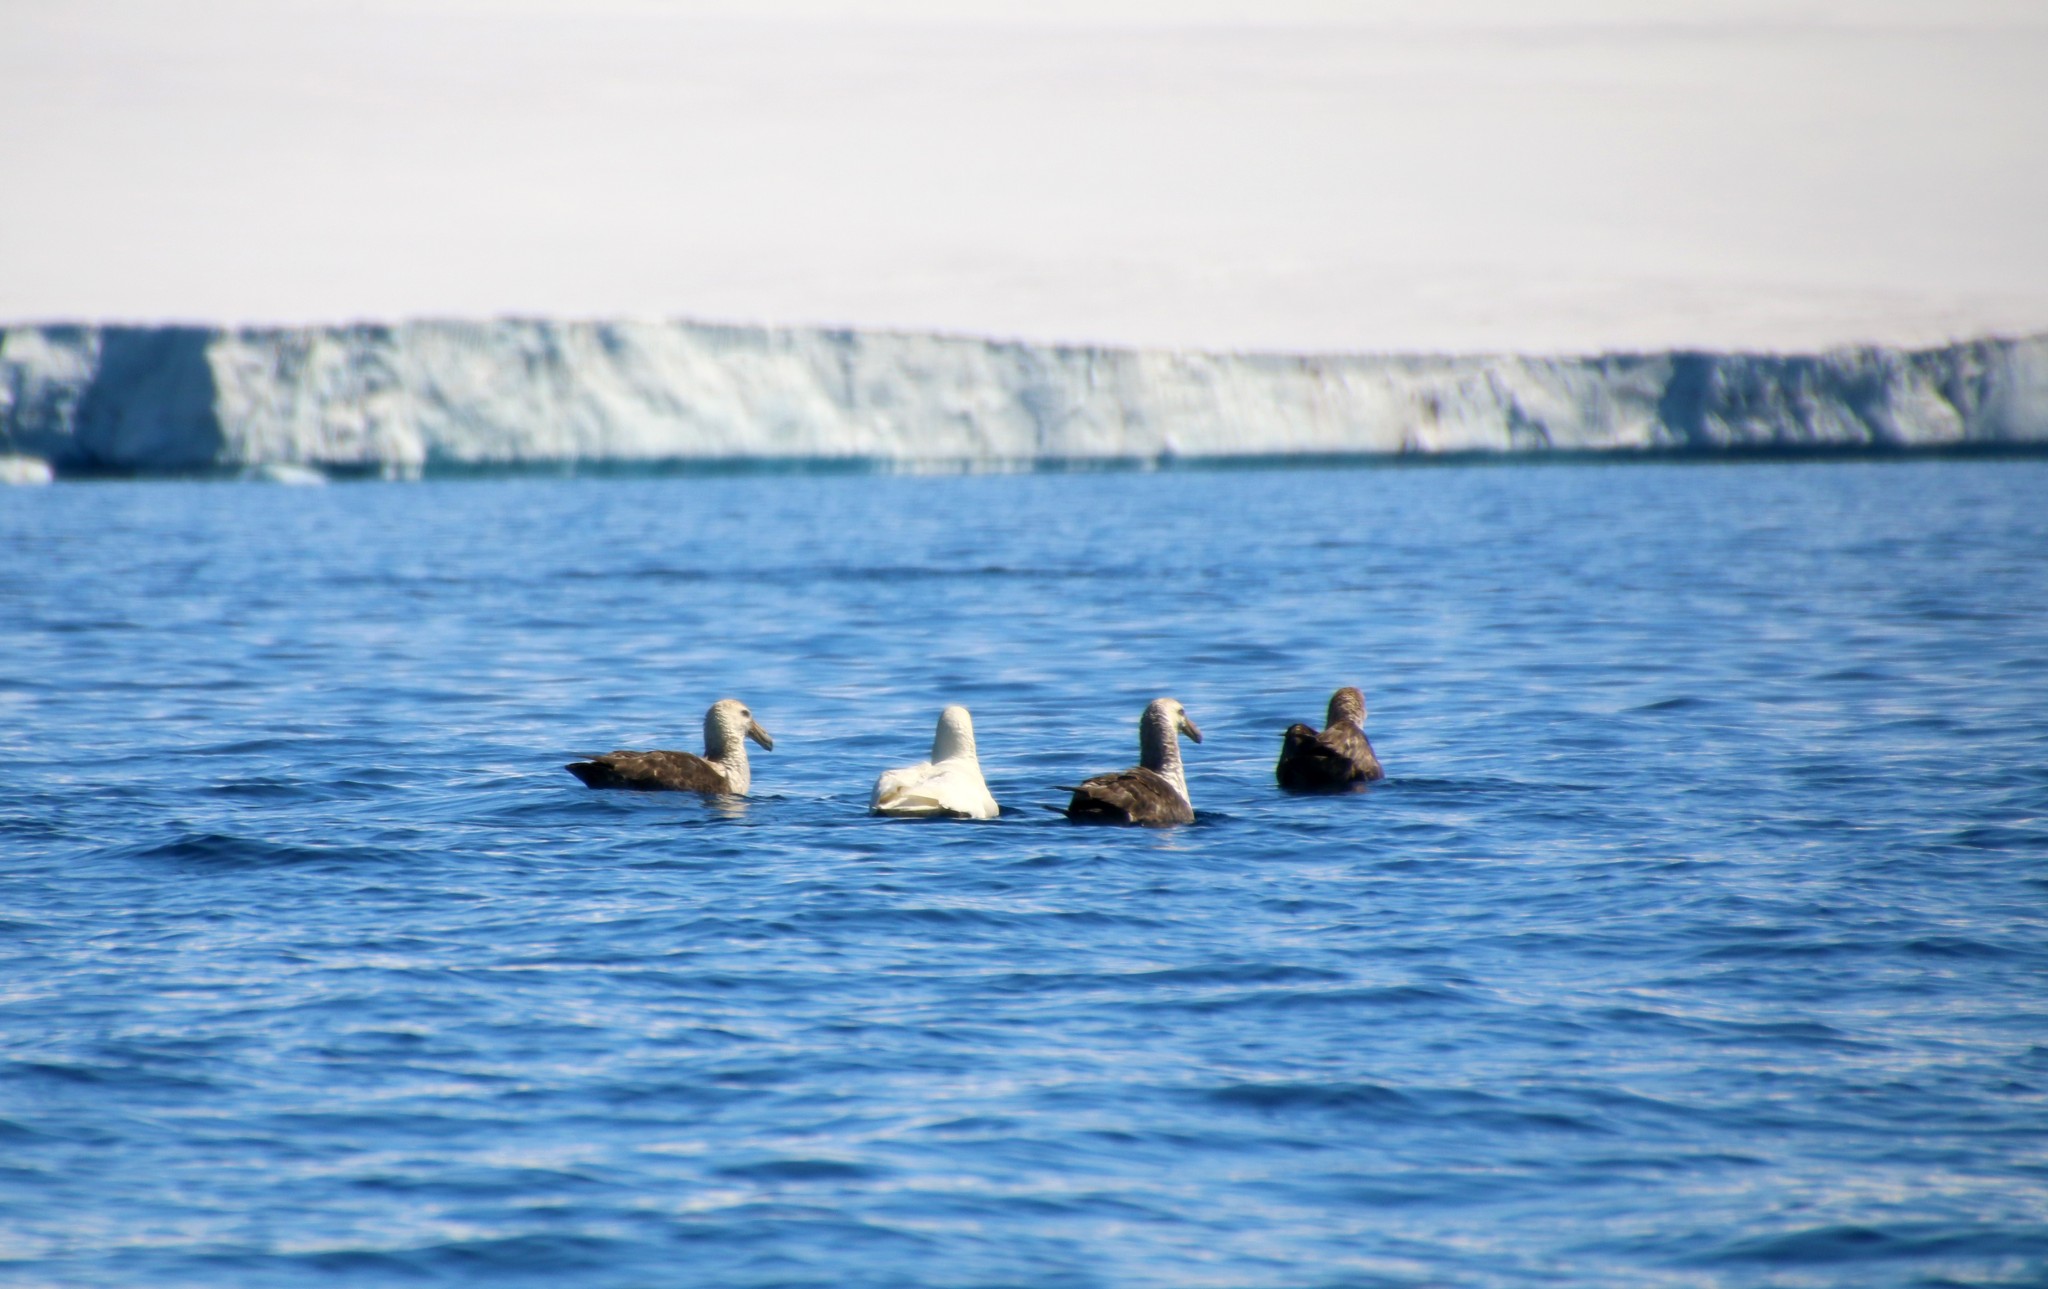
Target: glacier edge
<point x="404" y="398"/>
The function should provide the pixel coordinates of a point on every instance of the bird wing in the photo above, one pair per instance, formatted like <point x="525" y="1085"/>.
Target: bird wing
<point x="1136" y="795"/>
<point x="894" y="784"/>
<point x="1336" y="758"/>
<point x="1349" y="743"/>
<point x="1306" y="765"/>
<point x="651" y="772"/>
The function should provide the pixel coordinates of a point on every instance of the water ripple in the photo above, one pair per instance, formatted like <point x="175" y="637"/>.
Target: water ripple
<point x="1697" y="937"/>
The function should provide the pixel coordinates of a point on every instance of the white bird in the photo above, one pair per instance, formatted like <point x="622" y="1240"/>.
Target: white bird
<point x="949" y="786"/>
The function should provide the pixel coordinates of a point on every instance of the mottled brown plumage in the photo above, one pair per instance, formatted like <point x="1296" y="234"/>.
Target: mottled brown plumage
<point x="1338" y="758"/>
<point x="1154" y="791"/>
<point x="1133" y="796"/>
<point x="651" y="772"/>
<point x="722" y="768"/>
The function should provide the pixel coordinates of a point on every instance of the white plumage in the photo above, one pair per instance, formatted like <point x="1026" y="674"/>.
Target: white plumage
<point x="949" y="786"/>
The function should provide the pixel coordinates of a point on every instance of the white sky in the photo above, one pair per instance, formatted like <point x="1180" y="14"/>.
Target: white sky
<point x="1296" y="174"/>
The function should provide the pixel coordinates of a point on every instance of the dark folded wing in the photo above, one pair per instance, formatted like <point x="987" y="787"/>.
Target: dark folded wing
<point x="1337" y="758"/>
<point x="1348" y="742"/>
<point x="1303" y="761"/>
<point x="1133" y="796"/>
<point x="651" y="772"/>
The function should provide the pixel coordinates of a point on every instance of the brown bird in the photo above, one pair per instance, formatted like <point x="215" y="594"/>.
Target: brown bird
<point x="722" y="768"/>
<point x="1155" y="790"/>
<point x="1338" y="759"/>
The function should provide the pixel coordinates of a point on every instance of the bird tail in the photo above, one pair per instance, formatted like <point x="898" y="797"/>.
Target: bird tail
<point x="1068" y="809"/>
<point x="909" y="803"/>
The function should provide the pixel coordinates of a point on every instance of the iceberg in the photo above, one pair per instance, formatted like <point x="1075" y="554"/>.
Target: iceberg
<point x="20" y="471"/>
<point x="401" y="400"/>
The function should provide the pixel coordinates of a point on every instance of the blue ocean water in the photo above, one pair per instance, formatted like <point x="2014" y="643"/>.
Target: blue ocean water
<point x="1699" y="935"/>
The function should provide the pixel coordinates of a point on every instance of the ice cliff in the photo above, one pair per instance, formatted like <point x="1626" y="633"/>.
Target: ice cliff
<point x="399" y="400"/>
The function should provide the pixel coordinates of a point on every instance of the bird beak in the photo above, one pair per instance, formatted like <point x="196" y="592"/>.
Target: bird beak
<point x="1189" y="726"/>
<point x="759" y="735"/>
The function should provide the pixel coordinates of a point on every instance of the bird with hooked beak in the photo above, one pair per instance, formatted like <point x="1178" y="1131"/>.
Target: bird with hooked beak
<point x="723" y="768"/>
<point x="1155" y="790"/>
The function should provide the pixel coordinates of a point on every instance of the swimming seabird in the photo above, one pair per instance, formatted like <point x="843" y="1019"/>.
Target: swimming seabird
<point x="722" y="768"/>
<point x="949" y="786"/>
<point x="1338" y="758"/>
<point x="1155" y="790"/>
